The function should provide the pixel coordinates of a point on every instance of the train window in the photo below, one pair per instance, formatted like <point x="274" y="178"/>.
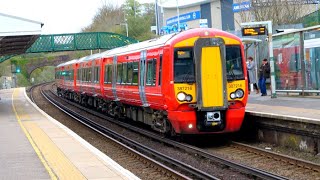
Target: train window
<point x="96" y="75"/>
<point x="66" y="75"/>
<point x="124" y="73"/>
<point x="86" y="74"/>
<point x="151" y="72"/>
<point x="119" y="73"/>
<point x="160" y="70"/>
<point x="184" y="71"/>
<point x="105" y="74"/>
<point x="78" y="74"/>
<point x="234" y="62"/>
<point x="130" y="72"/>
<point x="89" y="74"/>
<point x="70" y="74"/>
<point x="83" y="75"/>
<point x="135" y="66"/>
<point x="109" y="74"/>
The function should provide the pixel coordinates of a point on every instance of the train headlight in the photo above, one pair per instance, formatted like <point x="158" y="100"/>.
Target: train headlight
<point x="239" y="93"/>
<point x="233" y="95"/>
<point x="189" y="98"/>
<point x="181" y="96"/>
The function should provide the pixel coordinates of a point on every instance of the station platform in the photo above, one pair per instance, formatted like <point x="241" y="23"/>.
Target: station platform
<point x="291" y="107"/>
<point x="35" y="146"/>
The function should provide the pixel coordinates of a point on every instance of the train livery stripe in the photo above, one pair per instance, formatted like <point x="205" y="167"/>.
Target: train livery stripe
<point x="211" y="77"/>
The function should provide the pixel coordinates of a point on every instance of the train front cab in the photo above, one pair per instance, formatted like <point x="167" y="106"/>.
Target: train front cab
<point x="211" y="89"/>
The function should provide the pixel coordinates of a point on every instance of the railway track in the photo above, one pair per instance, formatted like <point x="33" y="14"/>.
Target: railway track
<point x="289" y="167"/>
<point x="138" y="151"/>
<point x="194" y="152"/>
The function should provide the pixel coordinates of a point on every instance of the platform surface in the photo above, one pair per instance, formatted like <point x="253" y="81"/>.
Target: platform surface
<point x="288" y="106"/>
<point x="35" y="146"/>
<point x="17" y="157"/>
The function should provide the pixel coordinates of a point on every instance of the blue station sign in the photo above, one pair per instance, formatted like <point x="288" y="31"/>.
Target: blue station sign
<point x="184" y="18"/>
<point x="243" y="6"/>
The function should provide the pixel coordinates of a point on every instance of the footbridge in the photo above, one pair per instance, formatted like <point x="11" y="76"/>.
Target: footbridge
<point x="75" y="42"/>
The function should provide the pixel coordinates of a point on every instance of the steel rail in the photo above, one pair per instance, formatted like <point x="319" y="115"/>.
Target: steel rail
<point x="126" y="142"/>
<point x="190" y="149"/>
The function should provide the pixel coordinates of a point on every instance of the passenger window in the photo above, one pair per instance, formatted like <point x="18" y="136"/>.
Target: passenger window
<point x="130" y="73"/>
<point x="109" y="73"/>
<point x="135" y="67"/>
<point x="77" y="74"/>
<point x="85" y="75"/>
<point x="151" y="72"/>
<point x="96" y="76"/>
<point x="105" y="74"/>
<point x="119" y="73"/>
<point x="124" y="73"/>
<point x="71" y="75"/>
<point x="83" y="72"/>
<point x="89" y="74"/>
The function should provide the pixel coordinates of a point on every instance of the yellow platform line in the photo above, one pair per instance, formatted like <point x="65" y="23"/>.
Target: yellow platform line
<point x="34" y="146"/>
<point x="54" y="161"/>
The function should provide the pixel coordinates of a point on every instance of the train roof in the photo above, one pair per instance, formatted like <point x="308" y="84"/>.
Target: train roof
<point x="138" y="46"/>
<point x="90" y="57"/>
<point x="68" y="63"/>
<point x="157" y="42"/>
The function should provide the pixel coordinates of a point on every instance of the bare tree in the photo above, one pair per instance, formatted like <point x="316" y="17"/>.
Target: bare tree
<point x="278" y="11"/>
<point x="106" y="19"/>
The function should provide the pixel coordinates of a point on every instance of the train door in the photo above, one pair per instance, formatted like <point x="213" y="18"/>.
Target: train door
<point x="114" y="77"/>
<point x="143" y="60"/>
<point x="210" y="67"/>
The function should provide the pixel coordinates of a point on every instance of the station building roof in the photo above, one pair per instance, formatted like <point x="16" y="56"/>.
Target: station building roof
<point x="17" y="34"/>
<point x="183" y="4"/>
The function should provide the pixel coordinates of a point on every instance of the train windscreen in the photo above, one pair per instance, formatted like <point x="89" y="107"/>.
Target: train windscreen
<point x="184" y="68"/>
<point x="184" y="71"/>
<point x="234" y="63"/>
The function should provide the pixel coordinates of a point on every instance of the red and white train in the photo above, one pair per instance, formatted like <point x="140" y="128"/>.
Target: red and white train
<point x="193" y="82"/>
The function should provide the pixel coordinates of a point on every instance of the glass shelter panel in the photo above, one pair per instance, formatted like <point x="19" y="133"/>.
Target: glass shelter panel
<point x="288" y="69"/>
<point x="312" y="56"/>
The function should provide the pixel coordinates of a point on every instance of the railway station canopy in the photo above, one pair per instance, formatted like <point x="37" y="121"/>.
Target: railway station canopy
<point x="17" y="34"/>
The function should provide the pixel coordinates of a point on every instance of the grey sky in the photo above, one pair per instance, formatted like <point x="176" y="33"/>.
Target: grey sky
<point x="58" y="16"/>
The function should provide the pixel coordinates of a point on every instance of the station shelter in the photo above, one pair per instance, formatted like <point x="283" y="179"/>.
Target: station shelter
<point x="297" y="60"/>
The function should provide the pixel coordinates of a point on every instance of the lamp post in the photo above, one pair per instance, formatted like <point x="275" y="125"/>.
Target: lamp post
<point x="157" y="16"/>
<point x="126" y="25"/>
<point x="178" y="16"/>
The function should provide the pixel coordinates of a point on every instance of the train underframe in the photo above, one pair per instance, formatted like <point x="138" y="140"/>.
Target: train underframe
<point x="157" y="119"/>
<point x="182" y="122"/>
